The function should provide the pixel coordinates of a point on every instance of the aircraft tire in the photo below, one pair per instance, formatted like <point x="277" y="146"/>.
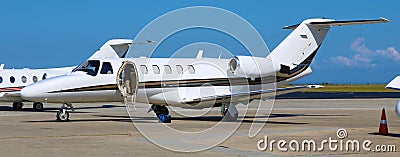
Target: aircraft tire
<point x="17" y="106"/>
<point x="37" y="106"/>
<point x="62" y="116"/>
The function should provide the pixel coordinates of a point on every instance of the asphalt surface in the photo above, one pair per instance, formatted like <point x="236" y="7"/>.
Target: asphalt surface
<point x="339" y="95"/>
<point x="106" y="129"/>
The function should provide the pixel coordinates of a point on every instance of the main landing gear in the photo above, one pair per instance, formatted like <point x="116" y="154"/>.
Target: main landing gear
<point x="62" y="114"/>
<point x="162" y="113"/>
<point x="37" y="106"/>
<point x="229" y="112"/>
<point x="17" y="106"/>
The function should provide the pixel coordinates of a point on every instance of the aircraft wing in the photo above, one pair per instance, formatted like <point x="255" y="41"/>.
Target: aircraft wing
<point x="242" y="96"/>
<point x="11" y="96"/>
<point x="394" y="84"/>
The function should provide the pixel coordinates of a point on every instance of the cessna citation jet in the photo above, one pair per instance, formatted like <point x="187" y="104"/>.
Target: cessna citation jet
<point x="179" y="82"/>
<point x="13" y="80"/>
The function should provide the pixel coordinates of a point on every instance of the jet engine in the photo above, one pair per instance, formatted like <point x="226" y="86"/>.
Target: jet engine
<point x="248" y="66"/>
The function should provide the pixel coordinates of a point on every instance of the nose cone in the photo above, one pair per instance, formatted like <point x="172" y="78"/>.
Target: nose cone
<point x="34" y="92"/>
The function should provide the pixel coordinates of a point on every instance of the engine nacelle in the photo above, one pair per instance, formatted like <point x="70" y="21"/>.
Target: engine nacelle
<point x="248" y="66"/>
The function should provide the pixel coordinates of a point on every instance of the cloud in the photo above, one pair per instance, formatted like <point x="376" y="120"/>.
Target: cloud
<point x="390" y="52"/>
<point x="365" y="56"/>
<point x="342" y="60"/>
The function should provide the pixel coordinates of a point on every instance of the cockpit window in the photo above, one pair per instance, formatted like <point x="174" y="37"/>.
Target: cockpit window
<point x="106" y="68"/>
<point x="44" y="76"/>
<point x="91" y="67"/>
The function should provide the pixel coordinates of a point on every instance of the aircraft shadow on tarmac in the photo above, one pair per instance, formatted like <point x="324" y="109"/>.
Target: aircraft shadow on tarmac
<point x="136" y="119"/>
<point x="48" y="109"/>
<point x="390" y="134"/>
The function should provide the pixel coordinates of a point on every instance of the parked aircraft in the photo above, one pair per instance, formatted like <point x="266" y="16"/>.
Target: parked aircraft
<point x="13" y="80"/>
<point x="180" y="81"/>
<point x="395" y="85"/>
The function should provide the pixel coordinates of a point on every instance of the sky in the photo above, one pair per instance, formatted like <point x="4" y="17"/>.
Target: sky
<point x="52" y="33"/>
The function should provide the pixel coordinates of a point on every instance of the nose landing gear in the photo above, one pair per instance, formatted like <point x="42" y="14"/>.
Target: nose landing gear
<point x="62" y="114"/>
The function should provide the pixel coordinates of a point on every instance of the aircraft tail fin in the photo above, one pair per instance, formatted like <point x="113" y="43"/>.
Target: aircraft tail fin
<point x="295" y="53"/>
<point x="114" y="48"/>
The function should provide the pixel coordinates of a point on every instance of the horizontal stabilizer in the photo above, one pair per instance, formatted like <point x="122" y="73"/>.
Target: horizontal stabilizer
<point x="328" y="22"/>
<point x="351" y="22"/>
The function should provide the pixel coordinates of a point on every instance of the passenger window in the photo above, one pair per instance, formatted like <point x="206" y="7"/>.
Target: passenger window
<point x="34" y="78"/>
<point x="1" y="79"/>
<point x="191" y="69"/>
<point x="23" y="79"/>
<point x="43" y="77"/>
<point x="12" y="79"/>
<point x="106" y="68"/>
<point x="144" y="70"/>
<point x="179" y="69"/>
<point x="167" y="69"/>
<point x="156" y="69"/>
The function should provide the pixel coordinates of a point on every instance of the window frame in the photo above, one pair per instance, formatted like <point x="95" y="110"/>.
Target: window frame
<point x="109" y="66"/>
<point x="169" y="71"/>
<point x="179" y="69"/>
<point x="34" y="79"/>
<point x="191" y="69"/>
<point x="144" y="69"/>
<point x="24" y="79"/>
<point x="156" y="69"/>
<point x="12" y="79"/>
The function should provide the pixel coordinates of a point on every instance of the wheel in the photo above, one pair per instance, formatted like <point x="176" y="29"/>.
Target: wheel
<point x="17" y="106"/>
<point x="37" y="106"/>
<point x="62" y="115"/>
<point x="230" y="118"/>
<point x="160" y="109"/>
<point x="164" y="118"/>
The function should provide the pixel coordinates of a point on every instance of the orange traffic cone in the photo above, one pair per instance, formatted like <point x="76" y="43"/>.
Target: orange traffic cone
<point x="383" y="128"/>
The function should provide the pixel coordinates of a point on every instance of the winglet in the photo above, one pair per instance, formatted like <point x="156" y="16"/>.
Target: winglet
<point x="384" y="19"/>
<point x="1" y="66"/>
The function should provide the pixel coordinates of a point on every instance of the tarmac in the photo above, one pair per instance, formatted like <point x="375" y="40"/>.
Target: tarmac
<point x="106" y="129"/>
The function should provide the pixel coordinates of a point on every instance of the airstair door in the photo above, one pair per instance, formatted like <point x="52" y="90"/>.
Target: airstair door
<point x="127" y="81"/>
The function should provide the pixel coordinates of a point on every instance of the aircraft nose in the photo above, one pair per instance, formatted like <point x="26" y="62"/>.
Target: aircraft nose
<point x="33" y="92"/>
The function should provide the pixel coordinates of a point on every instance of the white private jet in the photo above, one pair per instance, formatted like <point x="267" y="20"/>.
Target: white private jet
<point x="395" y="85"/>
<point x="13" y="80"/>
<point x="180" y="81"/>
